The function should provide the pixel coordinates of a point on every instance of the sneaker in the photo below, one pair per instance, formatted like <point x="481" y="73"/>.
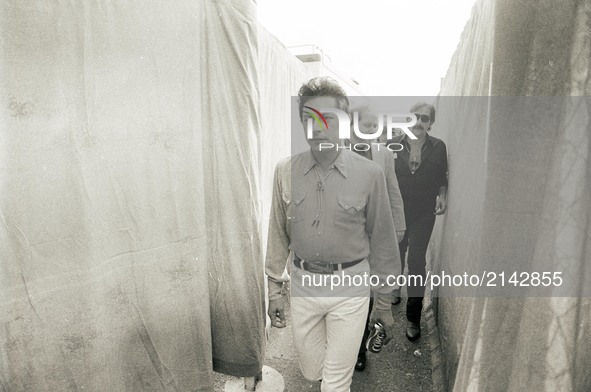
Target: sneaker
<point x="376" y="339"/>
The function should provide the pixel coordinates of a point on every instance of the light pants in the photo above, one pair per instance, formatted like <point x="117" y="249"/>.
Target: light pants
<point x="327" y="332"/>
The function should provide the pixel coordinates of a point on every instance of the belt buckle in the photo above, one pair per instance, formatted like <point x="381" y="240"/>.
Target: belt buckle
<point x="320" y="268"/>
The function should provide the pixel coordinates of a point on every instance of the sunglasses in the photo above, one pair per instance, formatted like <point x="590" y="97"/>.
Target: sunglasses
<point x="423" y="117"/>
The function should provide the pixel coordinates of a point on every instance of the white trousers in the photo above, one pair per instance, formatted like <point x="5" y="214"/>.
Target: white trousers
<point x="327" y="332"/>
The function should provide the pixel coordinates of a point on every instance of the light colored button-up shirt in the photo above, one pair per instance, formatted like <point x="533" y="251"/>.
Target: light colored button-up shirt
<point x="342" y="217"/>
<point x="386" y="160"/>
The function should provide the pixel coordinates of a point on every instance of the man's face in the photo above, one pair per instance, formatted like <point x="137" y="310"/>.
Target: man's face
<point x="319" y="132"/>
<point x="368" y="124"/>
<point x="421" y="127"/>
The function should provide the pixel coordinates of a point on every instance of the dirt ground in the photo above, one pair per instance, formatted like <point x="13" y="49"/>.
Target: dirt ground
<point x="400" y="366"/>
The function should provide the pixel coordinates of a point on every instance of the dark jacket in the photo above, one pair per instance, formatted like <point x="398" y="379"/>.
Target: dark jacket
<point x="419" y="190"/>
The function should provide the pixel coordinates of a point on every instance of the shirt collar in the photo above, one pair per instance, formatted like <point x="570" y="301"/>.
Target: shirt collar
<point x="340" y="163"/>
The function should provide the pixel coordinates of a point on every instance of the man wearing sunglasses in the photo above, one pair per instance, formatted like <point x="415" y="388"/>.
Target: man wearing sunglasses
<point x="421" y="169"/>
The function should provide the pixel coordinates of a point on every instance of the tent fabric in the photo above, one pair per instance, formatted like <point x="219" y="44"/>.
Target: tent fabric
<point x="519" y="189"/>
<point x="230" y="125"/>
<point x="281" y="75"/>
<point x="130" y="226"/>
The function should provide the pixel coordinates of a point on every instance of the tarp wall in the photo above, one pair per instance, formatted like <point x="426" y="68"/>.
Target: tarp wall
<point x="281" y="75"/>
<point x="519" y="189"/>
<point x="133" y="143"/>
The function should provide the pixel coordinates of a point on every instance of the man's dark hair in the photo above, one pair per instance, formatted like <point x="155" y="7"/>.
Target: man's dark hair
<point x="323" y="87"/>
<point x="431" y="108"/>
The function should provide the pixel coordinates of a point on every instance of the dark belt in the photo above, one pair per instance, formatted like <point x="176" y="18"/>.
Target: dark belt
<point x="319" y="267"/>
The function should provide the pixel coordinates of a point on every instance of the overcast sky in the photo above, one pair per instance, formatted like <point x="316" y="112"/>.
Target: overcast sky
<point x="391" y="47"/>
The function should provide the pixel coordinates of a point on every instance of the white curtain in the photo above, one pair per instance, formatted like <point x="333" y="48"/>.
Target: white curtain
<point x="520" y="178"/>
<point x="130" y="225"/>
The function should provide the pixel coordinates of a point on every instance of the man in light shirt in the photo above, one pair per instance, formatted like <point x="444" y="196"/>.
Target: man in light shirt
<point x="330" y="216"/>
<point x="368" y="124"/>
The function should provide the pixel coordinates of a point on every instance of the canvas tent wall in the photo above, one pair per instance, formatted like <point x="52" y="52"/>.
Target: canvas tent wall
<point x="519" y="192"/>
<point x="136" y="139"/>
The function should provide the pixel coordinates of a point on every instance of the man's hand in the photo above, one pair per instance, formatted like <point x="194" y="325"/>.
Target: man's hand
<point x="440" y="205"/>
<point x="400" y="235"/>
<point x="277" y="313"/>
<point x="382" y="313"/>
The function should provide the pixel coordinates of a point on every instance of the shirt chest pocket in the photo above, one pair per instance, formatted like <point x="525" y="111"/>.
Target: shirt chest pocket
<point x="350" y="211"/>
<point x="295" y="207"/>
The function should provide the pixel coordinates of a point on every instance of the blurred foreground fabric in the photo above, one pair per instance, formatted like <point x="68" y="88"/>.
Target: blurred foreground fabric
<point x="519" y="195"/>
<point x="131" y="196"/>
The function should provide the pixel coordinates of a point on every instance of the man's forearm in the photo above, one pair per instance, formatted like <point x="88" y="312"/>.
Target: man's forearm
<point x="276" y="289"/>
<point x="443" y="191"/>
<point x="278" y="242"/>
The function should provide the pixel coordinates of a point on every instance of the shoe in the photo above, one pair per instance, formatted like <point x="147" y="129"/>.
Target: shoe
<point x="376" y="337"/>
<point x="413" y="331"/>
<point x="361" y="362"/>
<point x="395" y="300"/>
